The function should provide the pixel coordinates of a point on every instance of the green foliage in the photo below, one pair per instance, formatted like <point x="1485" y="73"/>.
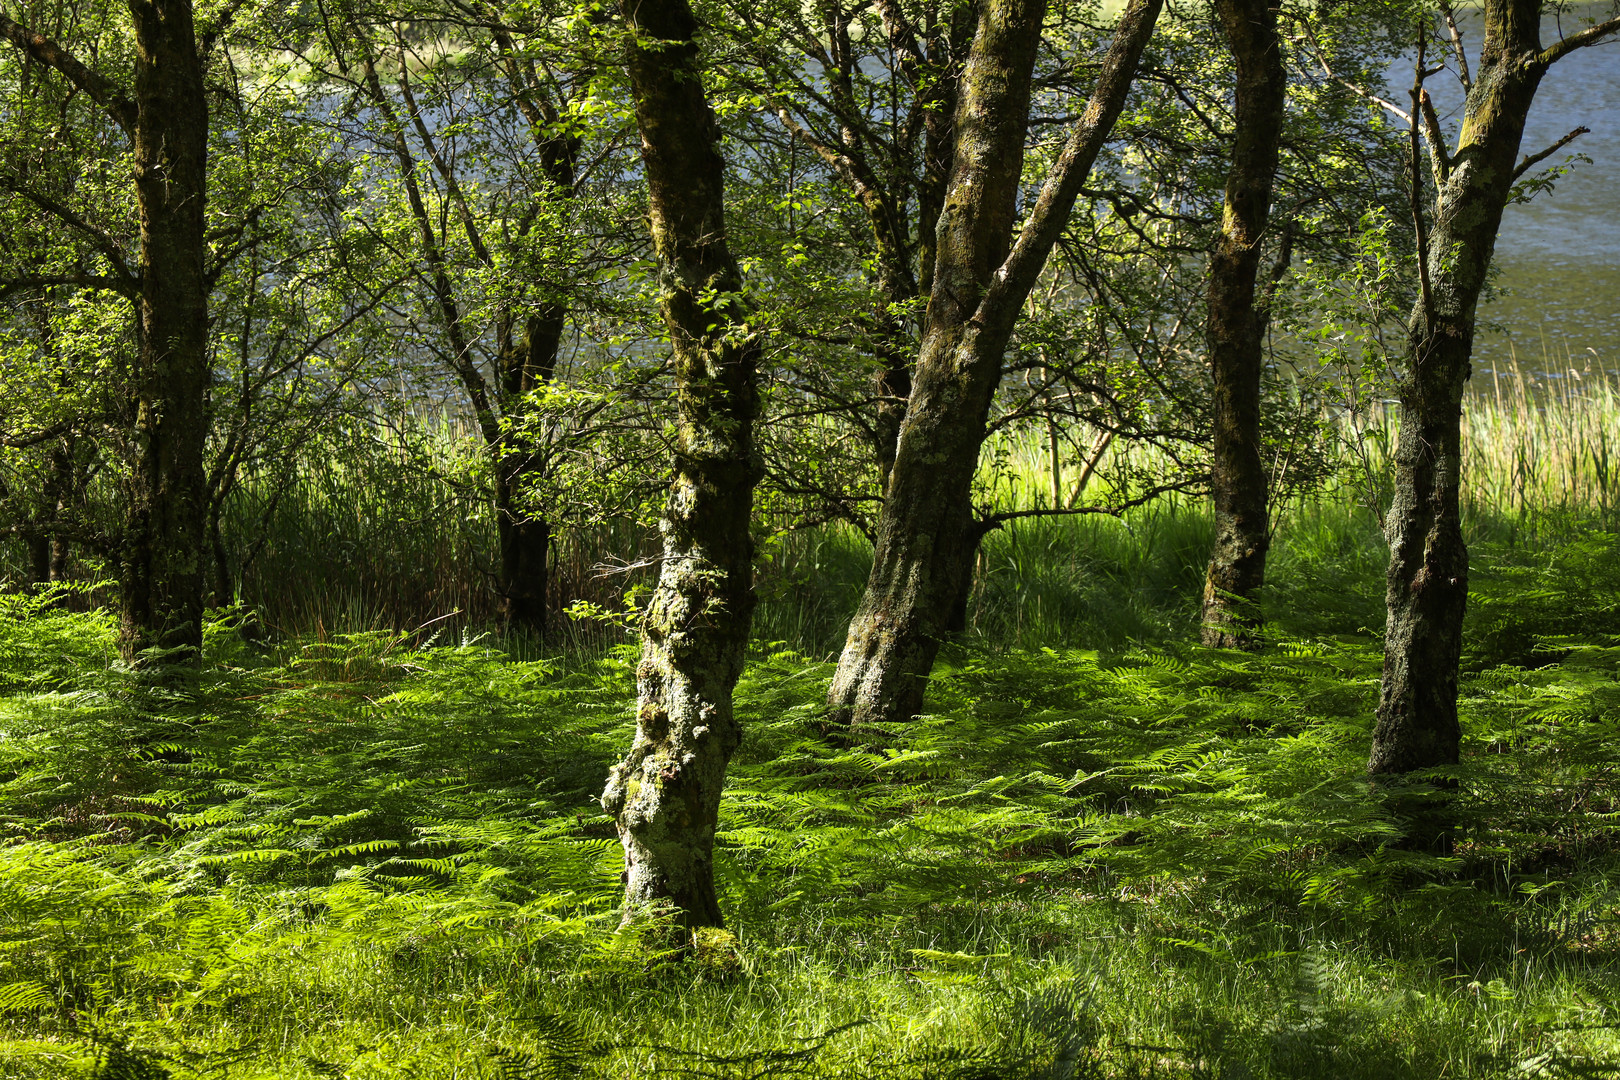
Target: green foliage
<point x="380" y="855"/>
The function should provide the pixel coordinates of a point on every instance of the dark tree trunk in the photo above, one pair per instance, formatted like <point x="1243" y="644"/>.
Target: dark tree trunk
<point x="39" y="560"/>
<point x="224" y="580"/>
<point x="525" y="548"/>
<point x="63" y="486"/>
<point x="1427" y="582"/>
<point x="1235" y="330"/>
<point x="523" y="533"/>
<point x="665" y="794"/>
<point x="926" y="534"/>
<point x="161" y="579"/>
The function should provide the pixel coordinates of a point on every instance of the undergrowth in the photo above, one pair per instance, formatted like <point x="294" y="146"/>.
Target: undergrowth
<point x="380" y="855"/>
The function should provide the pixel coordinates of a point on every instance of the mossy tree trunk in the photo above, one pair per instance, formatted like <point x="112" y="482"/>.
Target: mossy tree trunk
<point x="665" y="794"/>
<point x="1427" y="580"/>
<point x="1236" y="327"/>
<point x="926" y="533"/>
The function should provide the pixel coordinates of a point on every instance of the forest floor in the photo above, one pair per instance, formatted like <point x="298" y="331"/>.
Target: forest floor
<point x="381" y="856"/>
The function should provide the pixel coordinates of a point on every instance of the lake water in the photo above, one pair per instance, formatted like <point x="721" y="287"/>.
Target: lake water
<point x="1559" y="256"/>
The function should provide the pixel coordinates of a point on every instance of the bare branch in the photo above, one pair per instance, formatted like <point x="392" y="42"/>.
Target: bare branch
<point x="1418" y="225"/>
<point x="1590" y="36"/>
<point x="1532" y="160"/>
<point x="1463" y="75"/>
<point x="1439" y="160"/>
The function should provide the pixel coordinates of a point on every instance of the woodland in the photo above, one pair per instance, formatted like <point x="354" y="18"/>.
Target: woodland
<point x="831" y="538"/>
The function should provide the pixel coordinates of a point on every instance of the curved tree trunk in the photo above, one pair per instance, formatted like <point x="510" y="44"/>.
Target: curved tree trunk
<point x="926" y="533"/>
<point x="1427" y="581"/>
<point x="164" y="548"/>
<point x="665" y="795"/>
<point x="1235" y="330"/>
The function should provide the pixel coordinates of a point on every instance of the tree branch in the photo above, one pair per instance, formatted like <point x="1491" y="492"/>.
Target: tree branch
<point x="1463" y="74"/>
<point x="84" y="281"/>
<point x="1590" y="36"/>
<point x="101" y="90"/>
<point x="1532" y="160"/>
<point x="103" y="240"/>
<point x="1050" y="216"/>
<point x="1439" y="160"/>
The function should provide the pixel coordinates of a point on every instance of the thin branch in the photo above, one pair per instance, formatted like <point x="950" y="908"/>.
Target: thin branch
<point x="34" y="438"/>
<point x="1321" y="59"/>
<point x="1532" y="160"/>
<point x="1418" y="225"/>
<point x="1457" y="47"/>
<point x="995" y="521"/>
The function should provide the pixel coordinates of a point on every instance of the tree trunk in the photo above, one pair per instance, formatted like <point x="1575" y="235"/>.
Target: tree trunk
<point x="926" y="534"/>
<point x="665" y="795"/>
<point x="1235" y="331"/>
<point x="522" y="533"/>
<point x="161" y="580"/>
<point x="1427" y="582"/>
<point x="39" y="560"/>
<point x="63" y="485"/>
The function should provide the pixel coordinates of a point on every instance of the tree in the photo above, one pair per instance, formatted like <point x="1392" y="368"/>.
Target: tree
<point x="1427" y="580"/>
<point x="665" y="794"/>
<point x="870" y="89"/>
<point x="485" y="151"/>
<point x="926" y="534"/>
<point x="165" y="117"/>
<point x="1235" y="328"/>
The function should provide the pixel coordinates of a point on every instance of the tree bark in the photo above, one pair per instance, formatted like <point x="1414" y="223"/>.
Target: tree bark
<point x="665" y="795"/>
<point x="1427" y="580"/>
<point x="1235" y="330"/>
<point x="161" y="580"/>
<point x="926" y="533"/>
